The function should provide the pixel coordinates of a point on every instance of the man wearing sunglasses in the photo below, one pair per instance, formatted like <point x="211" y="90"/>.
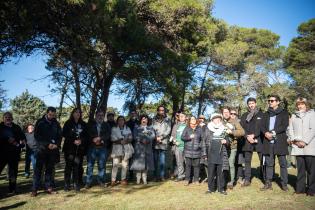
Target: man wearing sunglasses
<point x="274" y="127"/>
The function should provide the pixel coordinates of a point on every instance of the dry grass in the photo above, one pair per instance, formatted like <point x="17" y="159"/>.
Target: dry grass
<point x="166" y="195"/>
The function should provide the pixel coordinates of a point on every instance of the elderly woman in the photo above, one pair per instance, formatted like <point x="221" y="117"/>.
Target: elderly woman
<point x="302" y="137"/>
<point x="122" y="151"/>
<point x="144" y="136"/>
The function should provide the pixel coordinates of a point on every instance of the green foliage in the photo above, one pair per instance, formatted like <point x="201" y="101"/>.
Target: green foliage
<point x="300" y="62"/>
<point x="27" y="108"/>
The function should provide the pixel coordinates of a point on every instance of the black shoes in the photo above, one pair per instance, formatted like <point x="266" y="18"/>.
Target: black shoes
<point x="267" y="186"/>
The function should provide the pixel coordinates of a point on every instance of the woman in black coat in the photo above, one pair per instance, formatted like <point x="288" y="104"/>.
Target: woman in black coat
<point x="74" y="148"/>
<point x="12" y="139"/>
<point x="193" y="149"/>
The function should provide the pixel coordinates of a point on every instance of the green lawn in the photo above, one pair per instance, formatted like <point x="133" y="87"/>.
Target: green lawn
<point x="166" y="195"/>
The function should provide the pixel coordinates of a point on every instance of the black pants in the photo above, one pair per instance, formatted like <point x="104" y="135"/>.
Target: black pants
<point x="215" y="170"/>
<point x="195" y="163"/>
<point x="248" y="165"/>
<point x="73" y="167"/>
<point x="47" y="158"/>
<point x="12" y="160"/>
<point x="270" y="168"/>
<point x="305" y="164"/>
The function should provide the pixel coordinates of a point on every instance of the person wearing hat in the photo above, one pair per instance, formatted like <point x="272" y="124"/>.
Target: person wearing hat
<point x="274" y="127"/>
<point x="218" y="163"/>
<point x="251" y="123"/>
<point x="302" y="138"/>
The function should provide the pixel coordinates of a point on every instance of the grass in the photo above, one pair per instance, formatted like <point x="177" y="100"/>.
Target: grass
<point x="161" y="195"/>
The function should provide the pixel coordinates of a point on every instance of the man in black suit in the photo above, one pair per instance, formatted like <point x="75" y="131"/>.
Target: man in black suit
<point x="274" y="127"/>
<point x="251" y="122"/>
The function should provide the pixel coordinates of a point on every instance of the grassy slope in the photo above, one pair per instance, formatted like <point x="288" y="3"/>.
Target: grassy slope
<point x="166" y="195"/>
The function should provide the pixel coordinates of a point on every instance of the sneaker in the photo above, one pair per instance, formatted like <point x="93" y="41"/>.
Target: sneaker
<point x="223" y="192"/>
<point x="179" y="179"/>
<point x="87" y="186"/>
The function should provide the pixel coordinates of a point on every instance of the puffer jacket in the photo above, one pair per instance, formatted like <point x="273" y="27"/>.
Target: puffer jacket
<point x="194" y="147"/>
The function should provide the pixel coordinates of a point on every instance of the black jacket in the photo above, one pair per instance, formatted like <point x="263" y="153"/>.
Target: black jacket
<point x="104" y="134"/>
<point x="281" y="125"/>
<point x="252" y="127"/>
<point x="70" y="133"/>
<point x="47" y="132"/>
<point x="194" y="148"/>
<point x="14" y="132"/>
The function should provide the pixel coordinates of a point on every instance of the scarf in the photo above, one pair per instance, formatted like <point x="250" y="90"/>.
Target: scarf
<point x="273" y="112"/>
<point x="251" y="114"/>
<point x="217" y="130"/>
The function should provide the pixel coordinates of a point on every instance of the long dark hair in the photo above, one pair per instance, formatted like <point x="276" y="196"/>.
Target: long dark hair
<point x="71" y="118"/>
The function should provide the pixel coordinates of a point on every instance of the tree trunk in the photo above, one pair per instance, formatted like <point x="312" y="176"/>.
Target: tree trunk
<point x="77" y="87"/>
<point x="202" y="86"/>
<point x="63" y="93"/>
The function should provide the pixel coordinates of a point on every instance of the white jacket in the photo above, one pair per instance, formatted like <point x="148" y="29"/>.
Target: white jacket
<point x="121" y="150"/>
<point x="302" y="127"/>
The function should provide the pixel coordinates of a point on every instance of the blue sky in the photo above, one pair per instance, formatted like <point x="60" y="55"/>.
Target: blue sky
<point x="280" y="16"/>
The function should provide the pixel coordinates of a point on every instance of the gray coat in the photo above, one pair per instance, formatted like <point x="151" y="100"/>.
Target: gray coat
<point x="302" y="127"/>
<point x="163" y="129"/>
<point x="143" y="156"/>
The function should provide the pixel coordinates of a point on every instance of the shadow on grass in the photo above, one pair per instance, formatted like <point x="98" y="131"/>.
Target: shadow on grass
<point x="13" y="206"/>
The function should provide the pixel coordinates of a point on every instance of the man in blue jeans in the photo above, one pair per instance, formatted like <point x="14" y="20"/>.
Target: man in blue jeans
<point x="99" y="135"/>
<point x="30" y="156"/>
<point x="162" y="127"/>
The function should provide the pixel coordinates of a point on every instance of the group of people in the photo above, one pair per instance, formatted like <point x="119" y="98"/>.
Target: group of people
<point x="223" y="147"/>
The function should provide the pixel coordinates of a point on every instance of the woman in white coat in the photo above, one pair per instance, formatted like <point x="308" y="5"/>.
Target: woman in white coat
<point x="122" y="151"/>
<point x="302" y="138"/>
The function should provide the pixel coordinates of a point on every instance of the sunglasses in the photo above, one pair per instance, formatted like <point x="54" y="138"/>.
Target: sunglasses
<point x="232" y="113"/>
<point x="271" y="101"/>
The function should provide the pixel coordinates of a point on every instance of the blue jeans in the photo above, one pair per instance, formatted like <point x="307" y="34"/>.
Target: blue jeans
<point x="159" y="163"/>
<point x="99" y="154"/>
<point x="30" y="157"/>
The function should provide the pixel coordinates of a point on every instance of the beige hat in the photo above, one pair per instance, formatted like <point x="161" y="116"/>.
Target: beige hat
<point x="216" y="115"/>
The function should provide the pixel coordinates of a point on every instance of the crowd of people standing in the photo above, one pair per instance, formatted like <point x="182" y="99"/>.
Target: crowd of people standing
<point x="223" y="147"/>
